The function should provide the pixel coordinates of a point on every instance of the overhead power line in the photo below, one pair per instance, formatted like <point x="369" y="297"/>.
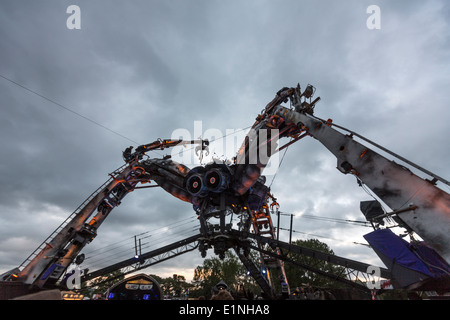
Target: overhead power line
<point x="325" y="237"/>
<point x="67" y="109"/>
<point x="89" y="119"/>
<point x="330" y="219"/>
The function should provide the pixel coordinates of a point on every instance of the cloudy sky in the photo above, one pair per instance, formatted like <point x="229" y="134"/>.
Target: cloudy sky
<point x="142" y="69"/>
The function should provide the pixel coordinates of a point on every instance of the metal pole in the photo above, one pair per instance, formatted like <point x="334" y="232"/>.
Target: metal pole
<point x="290" y="231"/>
<point x="222" y="213"/>
<point x="278" y="225"/>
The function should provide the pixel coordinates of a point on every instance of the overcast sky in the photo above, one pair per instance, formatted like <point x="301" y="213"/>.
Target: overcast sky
<point x="146" y="68"/>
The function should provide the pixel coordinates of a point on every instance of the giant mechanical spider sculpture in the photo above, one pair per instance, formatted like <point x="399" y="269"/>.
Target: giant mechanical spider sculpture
<point x="237" y="188"/>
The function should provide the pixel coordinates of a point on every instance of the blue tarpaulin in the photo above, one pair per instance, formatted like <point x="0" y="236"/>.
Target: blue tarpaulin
<point x="417" y="256"/>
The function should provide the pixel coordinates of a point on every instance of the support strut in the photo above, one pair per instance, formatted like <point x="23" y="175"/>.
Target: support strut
<point x="256" y="274"/>
<point x="344" y="262"/>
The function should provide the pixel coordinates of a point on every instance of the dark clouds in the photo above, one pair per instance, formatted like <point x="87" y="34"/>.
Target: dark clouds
<point x="146" y="68"/>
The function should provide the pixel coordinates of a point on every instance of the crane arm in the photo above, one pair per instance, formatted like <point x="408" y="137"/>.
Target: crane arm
<point x="421" y="205"/>
<point x="162" y="144"/>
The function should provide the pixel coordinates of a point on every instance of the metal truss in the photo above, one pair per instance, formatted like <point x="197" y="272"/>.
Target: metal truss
<point x="342" y="277"/>
<point x="147" y="259"/>
<point x="351" y="271"/>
